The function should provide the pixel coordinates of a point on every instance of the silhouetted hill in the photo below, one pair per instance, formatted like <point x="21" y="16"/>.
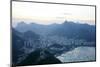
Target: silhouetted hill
<point x="17" y="44"/>
<point x="39" y="57"/>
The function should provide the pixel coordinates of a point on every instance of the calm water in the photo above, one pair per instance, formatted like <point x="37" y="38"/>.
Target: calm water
<point x="78" y="54"/>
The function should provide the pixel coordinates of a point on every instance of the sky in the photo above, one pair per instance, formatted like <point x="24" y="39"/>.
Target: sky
<point x="43" y="13"/>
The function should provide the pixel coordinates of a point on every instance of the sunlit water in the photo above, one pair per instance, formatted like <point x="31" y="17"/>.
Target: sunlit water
<point x="78" y="54"/>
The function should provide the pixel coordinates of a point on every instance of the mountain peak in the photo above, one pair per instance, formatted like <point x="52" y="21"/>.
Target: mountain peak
<point x="68" y="22"/>
<point x="65" y="21"/>
<point x="22" y="23"/>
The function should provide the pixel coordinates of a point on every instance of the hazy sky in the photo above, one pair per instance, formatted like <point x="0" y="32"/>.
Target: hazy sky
<point x="51" y="13"/>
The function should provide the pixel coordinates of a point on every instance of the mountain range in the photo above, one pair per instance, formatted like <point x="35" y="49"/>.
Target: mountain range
<point x="55" y="39"/>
